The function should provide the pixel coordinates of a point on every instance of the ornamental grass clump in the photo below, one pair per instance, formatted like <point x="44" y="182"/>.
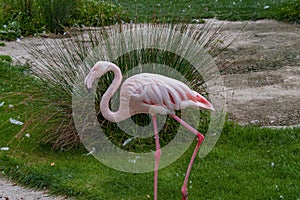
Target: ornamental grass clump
<point x="59" y="63"/>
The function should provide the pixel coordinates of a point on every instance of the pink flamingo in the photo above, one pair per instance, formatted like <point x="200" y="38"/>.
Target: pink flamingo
<point x="153" y="94"/>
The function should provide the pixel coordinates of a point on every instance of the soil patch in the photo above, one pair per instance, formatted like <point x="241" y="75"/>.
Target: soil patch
<point x="263" y="79"/>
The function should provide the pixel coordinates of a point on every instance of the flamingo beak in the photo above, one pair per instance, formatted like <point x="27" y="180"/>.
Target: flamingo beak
<point x="210" y="107"/>
<point x="88" y="82"/>
<point x="88" y="90"/>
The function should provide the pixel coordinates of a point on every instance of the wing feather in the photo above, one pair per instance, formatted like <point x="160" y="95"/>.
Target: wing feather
<point x="160" y="91"/>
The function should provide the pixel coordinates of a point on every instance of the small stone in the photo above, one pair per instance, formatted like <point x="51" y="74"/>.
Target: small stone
<point x="256" y="121"/>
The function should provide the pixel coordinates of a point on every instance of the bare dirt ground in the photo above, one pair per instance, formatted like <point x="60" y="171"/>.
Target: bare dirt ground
<point x="264" y="88"/>
<point x="262" y="82"/>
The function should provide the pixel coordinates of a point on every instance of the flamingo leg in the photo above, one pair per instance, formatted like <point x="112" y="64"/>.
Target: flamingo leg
<point x="157" y="155"/>
<point x="200" y="140"/>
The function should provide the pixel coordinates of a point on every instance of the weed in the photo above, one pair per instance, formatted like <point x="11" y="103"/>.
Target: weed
<point x="5" y="58"/>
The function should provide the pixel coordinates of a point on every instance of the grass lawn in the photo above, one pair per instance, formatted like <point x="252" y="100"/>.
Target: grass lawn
<point x="287" y="10"/>
<point x="246" y="163"/>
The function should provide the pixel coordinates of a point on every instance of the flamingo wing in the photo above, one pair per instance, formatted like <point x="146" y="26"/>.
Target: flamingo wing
<point x="162" y="94"/>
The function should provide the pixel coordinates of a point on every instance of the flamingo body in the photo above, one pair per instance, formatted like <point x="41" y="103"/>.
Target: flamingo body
<point x="153" y="94"/>
<point x="145" y="93"/>
<point x="157" y="94"/>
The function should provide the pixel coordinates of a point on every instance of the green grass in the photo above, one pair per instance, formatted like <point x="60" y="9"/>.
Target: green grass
<point x="246" y="163"/>
<point x="285" y="10"/>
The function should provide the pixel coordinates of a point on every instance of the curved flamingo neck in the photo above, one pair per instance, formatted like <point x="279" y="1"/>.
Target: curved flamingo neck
<point x="104" y="104"/>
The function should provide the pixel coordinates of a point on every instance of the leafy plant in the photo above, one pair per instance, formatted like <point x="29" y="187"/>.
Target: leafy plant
<point x="28" y="17"/>
<point x="56" y="13"/>
<point x="10" y="31"/>
<point x="95" y="13"/>
<point x="20" y="18"/>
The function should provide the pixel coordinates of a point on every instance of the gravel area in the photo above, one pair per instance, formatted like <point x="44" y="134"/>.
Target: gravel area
<point x="11" y="191"/>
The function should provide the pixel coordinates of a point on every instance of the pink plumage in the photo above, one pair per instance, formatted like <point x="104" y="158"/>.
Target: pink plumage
<point x="163" y="94"/>
<point x="145" y="93"/>
<point x="153" y="94"/>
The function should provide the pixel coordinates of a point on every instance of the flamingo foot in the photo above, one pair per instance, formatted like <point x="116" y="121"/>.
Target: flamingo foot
<point x="184" y="190"/>
<point x="184" y="193"/>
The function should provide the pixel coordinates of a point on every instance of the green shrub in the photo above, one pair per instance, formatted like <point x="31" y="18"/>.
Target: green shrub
<point x="95" y="13"/>
<point x="27" y="17"/>
<point x="56" y="13"/>
<point x="11" y="31"/>
<point x="20" y="18"/>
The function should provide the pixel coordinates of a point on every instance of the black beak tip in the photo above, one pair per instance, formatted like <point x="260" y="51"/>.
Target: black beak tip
<point x="89" y="90"/>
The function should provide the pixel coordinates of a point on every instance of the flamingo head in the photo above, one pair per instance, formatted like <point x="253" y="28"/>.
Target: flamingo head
<point x="98" y="70"/>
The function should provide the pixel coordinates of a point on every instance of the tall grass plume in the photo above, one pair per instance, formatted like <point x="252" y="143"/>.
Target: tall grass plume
<point x="58" y="63"/>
